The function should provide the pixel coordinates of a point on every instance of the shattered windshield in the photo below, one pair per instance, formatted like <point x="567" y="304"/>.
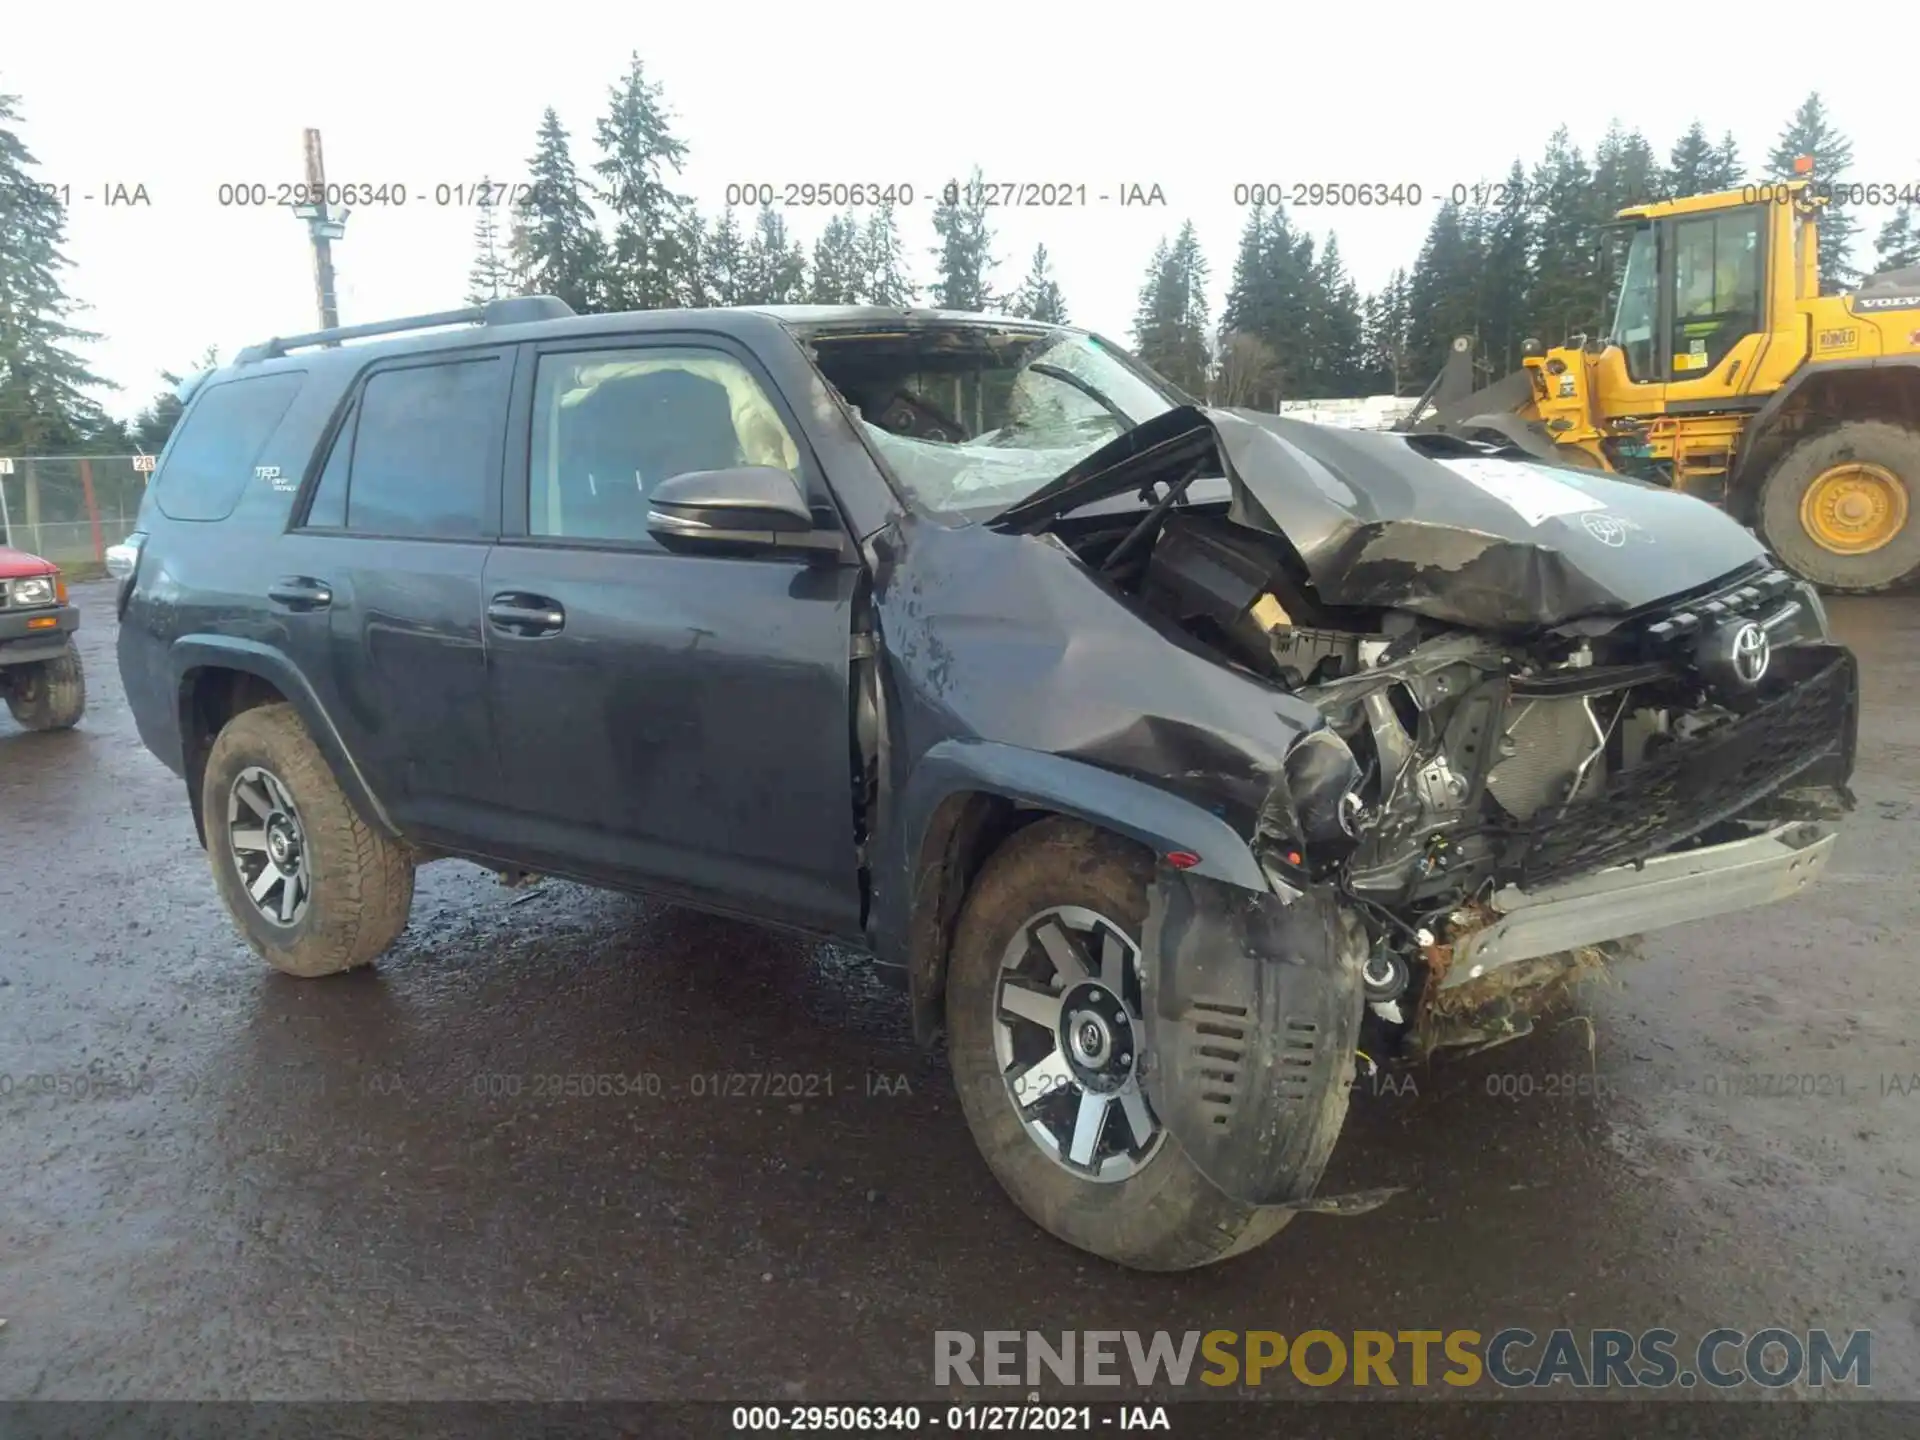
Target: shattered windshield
<point x="973" y="419"/>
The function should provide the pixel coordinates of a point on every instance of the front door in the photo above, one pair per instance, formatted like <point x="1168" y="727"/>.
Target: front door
<point x="672" y="720"/>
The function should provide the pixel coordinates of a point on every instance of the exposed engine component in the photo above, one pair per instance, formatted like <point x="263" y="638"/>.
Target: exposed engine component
<point x="1542" y="745"/>
<point x="1385" y="975"/>
<point x="1457" y="766"/>
<point x="1225" y="584"/>
<point x="1384" y="979"/>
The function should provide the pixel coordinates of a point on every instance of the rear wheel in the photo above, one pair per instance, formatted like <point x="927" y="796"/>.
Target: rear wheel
<point x="1043" y="1031"/>
<point x="50" y="694"/>
<point x="1839" y="507"/>
<point x="311" y="885"/>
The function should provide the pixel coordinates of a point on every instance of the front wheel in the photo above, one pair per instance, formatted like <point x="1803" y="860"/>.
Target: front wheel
<point x="1838" y="507"/>
<point x="49" y="694"/>
<point x="1044" y="1034"/>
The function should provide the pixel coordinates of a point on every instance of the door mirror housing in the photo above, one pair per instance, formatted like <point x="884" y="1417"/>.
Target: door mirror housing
<point x="744" y="505"/>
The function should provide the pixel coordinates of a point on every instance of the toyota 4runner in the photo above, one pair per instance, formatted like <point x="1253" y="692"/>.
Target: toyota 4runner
<point x="1175" y="760"/>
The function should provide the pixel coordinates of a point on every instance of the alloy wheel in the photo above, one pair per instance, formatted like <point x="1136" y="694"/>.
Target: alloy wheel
<point x="1068" y="1036"/>
<point x="269" y="845"/>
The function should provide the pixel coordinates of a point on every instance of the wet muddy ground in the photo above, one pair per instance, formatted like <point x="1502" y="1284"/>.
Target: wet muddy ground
<point x="218" y="1182"/>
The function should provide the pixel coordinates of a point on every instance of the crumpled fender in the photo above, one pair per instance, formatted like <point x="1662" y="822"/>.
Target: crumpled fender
<point x="1252" y="1009"/>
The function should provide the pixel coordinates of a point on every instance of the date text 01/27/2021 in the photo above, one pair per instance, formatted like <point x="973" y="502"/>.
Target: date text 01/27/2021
<point x="962" y="1419"/>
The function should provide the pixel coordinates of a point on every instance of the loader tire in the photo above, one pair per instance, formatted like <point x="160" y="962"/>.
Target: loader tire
<point x="1842" y="508"/>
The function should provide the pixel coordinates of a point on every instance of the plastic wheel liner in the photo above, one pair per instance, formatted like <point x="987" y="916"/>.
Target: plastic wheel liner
<point x="1252" y="1007"/>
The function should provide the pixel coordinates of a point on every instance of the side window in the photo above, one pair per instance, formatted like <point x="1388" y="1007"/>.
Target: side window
<point x="609" y="425"/>
<point x="212" y="458"/>
<point x="424" y="444"/>
<point x="328" y="508"/>
<point x="1716" y="285"/>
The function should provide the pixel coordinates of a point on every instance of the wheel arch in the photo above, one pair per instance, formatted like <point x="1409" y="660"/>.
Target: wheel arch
<point x="218" y="677"/>
<point x="1819" y="397"/>
<point x="965" y="798"/>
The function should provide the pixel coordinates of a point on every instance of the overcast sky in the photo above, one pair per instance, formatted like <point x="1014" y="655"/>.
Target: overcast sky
<point x="1194" y="98"/>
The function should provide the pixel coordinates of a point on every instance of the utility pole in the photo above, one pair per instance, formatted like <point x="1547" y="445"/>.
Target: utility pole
<point x="324" y="226"/>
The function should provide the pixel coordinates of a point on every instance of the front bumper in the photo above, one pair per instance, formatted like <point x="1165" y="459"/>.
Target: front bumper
<point x="1632" y="899"/>
<point x="25" y="635"/>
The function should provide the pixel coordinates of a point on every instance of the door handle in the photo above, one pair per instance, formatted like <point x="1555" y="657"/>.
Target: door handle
<point x="301" y="592"/>
<point x="526" y="615"/>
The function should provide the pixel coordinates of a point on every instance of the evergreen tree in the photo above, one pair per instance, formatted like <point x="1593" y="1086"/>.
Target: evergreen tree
<point x="1569" y="294"/>
<point x="1333" y="342"/>
<point x="648" y="267"/>
<point x="883" y="262"/>
<point x="43" y="404"/>
<point x="490" y="277"/>
<point x="1170" y="327"/>
<point x="1039" y="296"/>
<point x="1726" y="173"/>
<point x="723" y="261"/>
<point x="1897" y="246"/>
<point x="1443" y="291"/>
<point x="1810" y="132"/>
<point x="965" y="249"/>
<point x="774" y="271"/>
<point x="1388" y="321"/>
<point x="690" y="243"/>
<point x="1506" y="278"/>
<point x="557" y="248"/>
<point x="837" y="263"/>
<point x="1688" y="164"/>
<point x="1625" y="171"/>
<point x="1268" y="298"/>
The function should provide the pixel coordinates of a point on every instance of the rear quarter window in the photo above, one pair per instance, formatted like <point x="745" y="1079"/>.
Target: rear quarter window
<point x="211" y="460"/>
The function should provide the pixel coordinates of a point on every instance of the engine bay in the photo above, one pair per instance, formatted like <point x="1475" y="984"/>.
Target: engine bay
<point x="1455" y="763"/>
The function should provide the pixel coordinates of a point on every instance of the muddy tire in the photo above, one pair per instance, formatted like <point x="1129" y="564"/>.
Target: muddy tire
<point x="50" y="695"/>
<point x="311" y="885"/>
<point x="1164" y="1214"/>
<point x="1859" y="485"/>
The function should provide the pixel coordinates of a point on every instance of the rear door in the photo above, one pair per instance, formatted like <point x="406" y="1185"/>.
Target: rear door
<point x="392" y="552"/>
<point x="674" y="720"/>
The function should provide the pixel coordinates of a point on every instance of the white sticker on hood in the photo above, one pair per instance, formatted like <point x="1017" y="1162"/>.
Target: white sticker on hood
<point x="1535" y="492"/>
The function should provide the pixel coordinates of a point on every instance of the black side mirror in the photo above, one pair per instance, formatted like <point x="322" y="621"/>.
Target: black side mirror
<point x="745" y="505"/>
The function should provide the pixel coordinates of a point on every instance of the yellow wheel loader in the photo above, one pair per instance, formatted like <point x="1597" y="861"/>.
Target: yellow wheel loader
<point x="1729" y="375"/>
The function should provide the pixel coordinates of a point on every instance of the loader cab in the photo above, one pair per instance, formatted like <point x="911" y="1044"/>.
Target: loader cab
<point x="1692" y="299"/>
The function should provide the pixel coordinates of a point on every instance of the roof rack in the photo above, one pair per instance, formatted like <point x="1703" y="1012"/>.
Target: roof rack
<point x="512" y="310"/>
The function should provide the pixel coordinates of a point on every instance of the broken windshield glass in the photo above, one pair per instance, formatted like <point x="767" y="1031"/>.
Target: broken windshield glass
<point x="977" y="422"/>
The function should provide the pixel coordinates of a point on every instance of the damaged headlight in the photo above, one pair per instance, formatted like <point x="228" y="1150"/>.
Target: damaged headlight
<point x="1324" y="781"/>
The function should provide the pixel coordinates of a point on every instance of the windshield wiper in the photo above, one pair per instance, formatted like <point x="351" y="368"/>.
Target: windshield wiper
<point x="1151" y="519"/>
<point x="1067" y="377"/>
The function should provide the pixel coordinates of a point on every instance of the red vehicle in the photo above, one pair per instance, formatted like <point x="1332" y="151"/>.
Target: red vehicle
<point x="40" y="671"/>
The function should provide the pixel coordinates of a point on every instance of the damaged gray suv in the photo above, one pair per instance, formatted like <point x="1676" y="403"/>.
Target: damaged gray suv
<point x="1176" y="761"/>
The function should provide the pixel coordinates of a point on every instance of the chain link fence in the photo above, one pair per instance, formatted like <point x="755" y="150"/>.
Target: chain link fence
<point x="69" y="508"/>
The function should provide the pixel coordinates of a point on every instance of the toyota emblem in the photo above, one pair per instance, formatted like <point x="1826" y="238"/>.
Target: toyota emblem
<point x="1751" y="652"/>
<point x="1607" y="529"/>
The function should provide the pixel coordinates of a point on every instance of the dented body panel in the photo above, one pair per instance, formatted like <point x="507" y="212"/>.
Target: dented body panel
<point x="1428" y="526"/>
<point x="1252" y="1015"/>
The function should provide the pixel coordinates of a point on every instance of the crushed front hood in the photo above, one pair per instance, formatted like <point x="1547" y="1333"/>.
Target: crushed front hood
<point x="1425" y="523"/>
